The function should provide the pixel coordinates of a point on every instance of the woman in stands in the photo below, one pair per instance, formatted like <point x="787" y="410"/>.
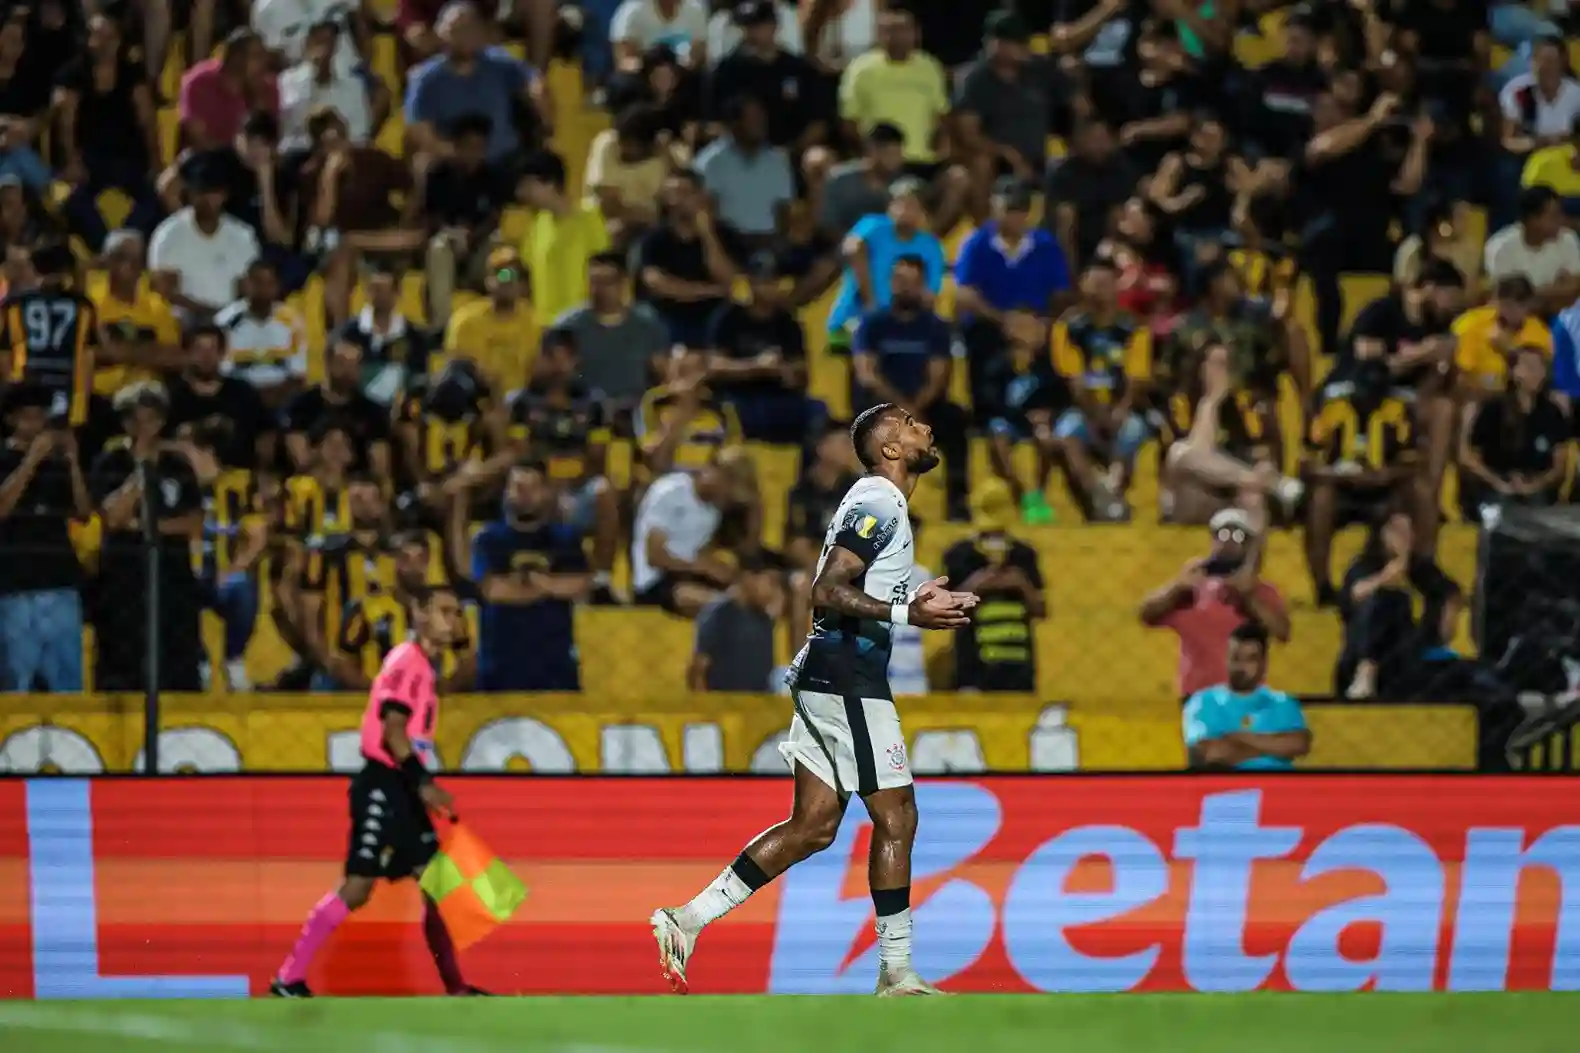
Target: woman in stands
<point x="1512" y="448"/>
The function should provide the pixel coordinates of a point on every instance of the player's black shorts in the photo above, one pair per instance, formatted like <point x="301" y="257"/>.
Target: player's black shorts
<point x="391" y="833"/>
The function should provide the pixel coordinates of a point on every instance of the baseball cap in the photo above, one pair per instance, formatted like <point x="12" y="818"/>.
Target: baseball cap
<point x="756" y="13"/>
<point x="504" y="258"/>
<point x="884" y="133"/>
<point x="1231" y="519"/>
<point x="1007" y="25"/>
<point x="906" y="186"/>
<point x="762" y="267"/>
<point x="1013" y="194"/>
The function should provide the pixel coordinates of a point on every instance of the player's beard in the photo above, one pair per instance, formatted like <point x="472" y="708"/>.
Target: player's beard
<point x="922" y="461"/>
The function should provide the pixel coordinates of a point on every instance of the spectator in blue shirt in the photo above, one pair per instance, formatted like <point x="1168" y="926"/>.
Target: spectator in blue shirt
<point x="1012" y="282"/>
<point x="904" y="353"/>
<point x="1566" y="358"/>
<point x="468" y="78"/>
<point x="530" y="569"/>
<point x="870" y="250"/>
<point x="1244" y="724"/>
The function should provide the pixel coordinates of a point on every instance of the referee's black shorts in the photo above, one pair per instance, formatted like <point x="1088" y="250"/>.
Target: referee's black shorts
<point x="391" y="833"/>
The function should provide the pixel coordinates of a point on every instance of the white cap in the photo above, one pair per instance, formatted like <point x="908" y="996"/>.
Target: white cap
<point x="1231" y="519"/>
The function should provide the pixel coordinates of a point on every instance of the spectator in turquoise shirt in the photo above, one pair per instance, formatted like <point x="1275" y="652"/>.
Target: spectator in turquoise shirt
<point x="1244" y="724"/>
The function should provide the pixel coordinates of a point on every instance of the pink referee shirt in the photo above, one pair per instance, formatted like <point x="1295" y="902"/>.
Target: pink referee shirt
<point x="406" y="678"/>
<point x="1203" y="627"/>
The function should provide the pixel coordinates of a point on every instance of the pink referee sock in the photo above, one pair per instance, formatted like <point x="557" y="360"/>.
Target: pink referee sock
<point x="324" y="920"/>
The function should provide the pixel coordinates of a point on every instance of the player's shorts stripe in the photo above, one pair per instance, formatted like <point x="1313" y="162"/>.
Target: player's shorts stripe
<point x="861" y="745"/>
<point x="817" y="737"/>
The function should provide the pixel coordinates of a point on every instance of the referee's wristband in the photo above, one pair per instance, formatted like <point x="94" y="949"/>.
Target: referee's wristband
<point x="415" y="773"/>
<point x="900" y="614"/>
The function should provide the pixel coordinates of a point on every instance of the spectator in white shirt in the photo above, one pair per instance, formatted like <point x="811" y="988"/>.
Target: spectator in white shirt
<point x="1541" y="247"/>
<point x="639" y="24"/>
<point x="676" y="522"/>
<point x="1540" y="107"/>
<point x="198" y="256"/>
<point x="724" y="35"/>
<point x="319" y="81"/>
<point x="267" y="339"/>
<point x="285" y="26"/>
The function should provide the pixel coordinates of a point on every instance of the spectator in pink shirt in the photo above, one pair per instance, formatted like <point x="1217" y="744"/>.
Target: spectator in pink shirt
<point x="1213" y="595"/>
<point x="217" y="94"/>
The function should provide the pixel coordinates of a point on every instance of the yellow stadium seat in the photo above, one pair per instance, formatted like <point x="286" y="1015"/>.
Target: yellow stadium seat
<point x="169" y="120"/>
<point x="113" y="206"/>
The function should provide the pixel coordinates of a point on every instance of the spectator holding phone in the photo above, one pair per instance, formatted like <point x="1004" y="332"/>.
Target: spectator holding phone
<point x="41" y="489"/>
<point x="1212" y="596"/>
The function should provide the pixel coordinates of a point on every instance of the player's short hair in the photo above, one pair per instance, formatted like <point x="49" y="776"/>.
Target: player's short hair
<point x="545" y="166"/>
<point x="198" y="332"/>
<point x="1250" y="632"/>
<point x="1516" y="288"/>
<point x="863" y="426"/>
<point x="424" y="594"/>
<point x="410" y="539"/>
<point x="613" y="260"/>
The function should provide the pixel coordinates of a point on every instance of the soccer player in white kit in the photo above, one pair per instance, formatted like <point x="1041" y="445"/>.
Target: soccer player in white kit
<point x="846" y="738"/>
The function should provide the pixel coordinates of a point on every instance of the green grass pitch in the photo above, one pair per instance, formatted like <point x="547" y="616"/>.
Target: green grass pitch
<point x="1436" y="1023"/>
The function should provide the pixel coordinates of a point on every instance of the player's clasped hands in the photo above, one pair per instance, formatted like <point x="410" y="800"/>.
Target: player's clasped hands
<point x="935" y="607"/>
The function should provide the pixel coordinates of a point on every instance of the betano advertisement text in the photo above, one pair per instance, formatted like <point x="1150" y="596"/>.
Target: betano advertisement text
<point x="195" y="887"/>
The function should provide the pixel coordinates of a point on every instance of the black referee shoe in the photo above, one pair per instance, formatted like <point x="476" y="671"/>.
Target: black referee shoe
<point x="278" y="988"/>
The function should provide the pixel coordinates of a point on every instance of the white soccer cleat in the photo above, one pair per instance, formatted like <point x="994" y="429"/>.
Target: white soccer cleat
<point x="675" y="945"/>
<point x="903" y="984"/>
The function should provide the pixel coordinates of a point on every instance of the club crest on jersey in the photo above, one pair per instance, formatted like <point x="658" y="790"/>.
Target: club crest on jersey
<point x="897" y="756"/>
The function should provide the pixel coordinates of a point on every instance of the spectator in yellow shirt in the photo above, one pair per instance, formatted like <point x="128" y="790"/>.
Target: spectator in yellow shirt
<point x="499" y="333"/>
<point x="1558" y="169"/>
<point x="563" y="237"/>
<point x="1489" y="335"/>
<point x="131" y="312"/>
<point x="898" y="84"/>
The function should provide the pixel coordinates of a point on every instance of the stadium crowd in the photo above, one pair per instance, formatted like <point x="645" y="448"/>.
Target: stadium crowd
<point x="332" y="300"/>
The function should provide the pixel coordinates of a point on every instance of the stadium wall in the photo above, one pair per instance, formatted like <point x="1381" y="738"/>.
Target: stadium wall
<point x="688" y="732"/>
<point x="192" y="887"/>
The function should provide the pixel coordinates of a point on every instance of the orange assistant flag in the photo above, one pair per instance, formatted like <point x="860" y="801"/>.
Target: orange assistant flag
<point x="475" y="890"/>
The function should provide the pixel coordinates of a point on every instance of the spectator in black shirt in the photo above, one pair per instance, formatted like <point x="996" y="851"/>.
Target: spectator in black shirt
<point x="997" y="651"/>
<point x="340" y="396"/>
<point x="785" y="83"/>
<point x="1153" y="114"/>
<point x="816" y="495"/>
<point x="108" y="134"/>
<point x="1283" y="93"/>
<point x="1384" y="643"/>
<point x="684" y="268"/>
<point x="462" y="198"/>
<point x="1512" y="447"/>
<point x="734" y="648"/>
<point x="41" y="490"/>
<point x="393" y="347"/>
<point x="1345" y="185"/>
<point x="669" y="94"/>
<point x="1087" y="188"/>
<point x="135" y="481"/>
<point x="24" y="97"/>
<point x="759" y="360"/>
<point x="227" y="411"/>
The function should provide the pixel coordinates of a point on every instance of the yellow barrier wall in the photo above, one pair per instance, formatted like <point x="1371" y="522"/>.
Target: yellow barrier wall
<point x="703" y="733"/>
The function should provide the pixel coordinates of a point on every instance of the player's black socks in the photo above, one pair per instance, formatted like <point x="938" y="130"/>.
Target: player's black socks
<point x="749" y="872"/>
<point x="890" y="901"/>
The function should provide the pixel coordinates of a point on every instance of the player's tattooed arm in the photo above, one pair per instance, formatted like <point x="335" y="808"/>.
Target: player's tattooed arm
<point x="835" y="588"/>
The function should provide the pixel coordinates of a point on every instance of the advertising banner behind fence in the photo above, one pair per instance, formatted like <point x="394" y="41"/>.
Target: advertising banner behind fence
<point x="188" y="887"/>
<point x="701" y="734"/>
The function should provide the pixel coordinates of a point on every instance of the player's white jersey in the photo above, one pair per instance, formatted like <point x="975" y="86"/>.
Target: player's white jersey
<point x="850" y="656"/>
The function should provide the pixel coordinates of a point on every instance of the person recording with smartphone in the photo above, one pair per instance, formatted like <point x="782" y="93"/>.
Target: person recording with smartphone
<point x="1214" y="594"/>
<point x="146" y="492"/>
<point x="41" y="490"/>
